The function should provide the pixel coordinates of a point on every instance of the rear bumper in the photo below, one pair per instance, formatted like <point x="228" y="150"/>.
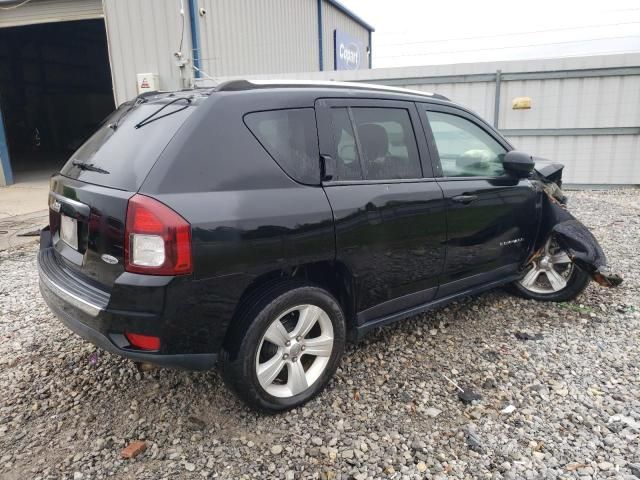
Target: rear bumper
<point x="84" y="309"/>
<point x="193" y="361"/>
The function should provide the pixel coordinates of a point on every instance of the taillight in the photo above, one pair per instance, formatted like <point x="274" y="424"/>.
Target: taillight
<point x="157" y="239"/>
<point x="143" y="342"/>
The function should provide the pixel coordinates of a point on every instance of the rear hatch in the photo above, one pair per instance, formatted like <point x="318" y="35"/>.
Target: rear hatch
<point x="88" y="198"/>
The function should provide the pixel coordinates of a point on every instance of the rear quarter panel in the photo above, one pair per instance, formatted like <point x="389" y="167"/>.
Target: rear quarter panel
<point x="256" y="231"/>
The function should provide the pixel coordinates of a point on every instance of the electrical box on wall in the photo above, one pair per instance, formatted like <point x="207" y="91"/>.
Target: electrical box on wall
<point x="521" y="103"/>
<point x="148" y="82"/>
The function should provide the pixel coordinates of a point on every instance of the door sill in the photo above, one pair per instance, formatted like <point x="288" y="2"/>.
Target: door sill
<point x="362" y="330"/>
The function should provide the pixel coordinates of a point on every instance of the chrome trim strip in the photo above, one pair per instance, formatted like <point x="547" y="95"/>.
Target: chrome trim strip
<point x="332" y="83"/>
<point x="62" y="199"/>
<point x="80" y="303"/>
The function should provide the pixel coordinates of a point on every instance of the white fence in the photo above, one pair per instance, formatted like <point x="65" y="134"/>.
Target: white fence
<point x="585" y="111"/>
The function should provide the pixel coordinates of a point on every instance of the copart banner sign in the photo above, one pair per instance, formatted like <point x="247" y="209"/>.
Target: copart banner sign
<point x="349" y="53"/>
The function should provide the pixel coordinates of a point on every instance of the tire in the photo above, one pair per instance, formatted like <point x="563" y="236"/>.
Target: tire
<point x="258" y="343"/>
<point x="573" y="278"/>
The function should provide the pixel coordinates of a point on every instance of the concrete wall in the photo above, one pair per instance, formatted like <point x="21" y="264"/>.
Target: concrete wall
<point x="585" y="110"/>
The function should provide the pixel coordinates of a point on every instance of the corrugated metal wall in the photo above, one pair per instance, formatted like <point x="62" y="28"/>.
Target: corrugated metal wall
<point x="238" y="38"/>
<point x="478" y="96"/>
<point x="592" y="159"/>
<point x="44" y="11"/>
<point x="601" y="102"/>
<point x="143" y="37"/>
<point x="601" y="110"/>
<point x="333" y="19"/>
<point x="573" y="102"/>
<point x="244" y="36"/>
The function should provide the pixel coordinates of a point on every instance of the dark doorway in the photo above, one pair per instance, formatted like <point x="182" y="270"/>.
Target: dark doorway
<point x="55" y="89"/>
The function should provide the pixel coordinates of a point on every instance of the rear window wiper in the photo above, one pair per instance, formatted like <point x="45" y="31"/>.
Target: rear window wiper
<point x="153" y="117"/>
<point x="89" y="167"/>
<point x="139" y="100"/>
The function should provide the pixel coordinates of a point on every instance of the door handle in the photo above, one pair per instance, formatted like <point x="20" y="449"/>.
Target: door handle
<point x="464" y="199"/>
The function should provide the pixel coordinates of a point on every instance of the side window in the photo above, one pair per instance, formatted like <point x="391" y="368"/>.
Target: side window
<point x="465" y="150"/>
<point x="346" y="152"/>
<point x="291" y="138"/>
<point x="389" y="149"/>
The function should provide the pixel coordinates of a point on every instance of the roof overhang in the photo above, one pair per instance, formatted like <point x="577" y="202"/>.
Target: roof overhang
<point x="350" y="14"/>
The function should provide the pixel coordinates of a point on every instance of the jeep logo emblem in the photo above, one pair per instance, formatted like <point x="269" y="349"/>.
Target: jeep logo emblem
<point x="111" y="260"/>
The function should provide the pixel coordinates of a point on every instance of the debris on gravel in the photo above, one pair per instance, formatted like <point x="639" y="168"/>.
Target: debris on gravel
<point x="469" y="396"/>
<point x="67" y="409"/>
<point x="528" y="336"/>
<point x="133" y="449"/>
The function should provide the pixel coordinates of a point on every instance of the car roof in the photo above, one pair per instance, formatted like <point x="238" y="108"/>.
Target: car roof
<point x="238" y="85"/>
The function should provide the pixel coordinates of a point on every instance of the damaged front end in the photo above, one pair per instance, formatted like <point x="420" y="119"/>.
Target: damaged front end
<point x="569" y="233"/>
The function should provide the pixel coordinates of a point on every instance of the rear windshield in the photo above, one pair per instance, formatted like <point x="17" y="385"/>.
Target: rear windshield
<point x="121" y="157"/>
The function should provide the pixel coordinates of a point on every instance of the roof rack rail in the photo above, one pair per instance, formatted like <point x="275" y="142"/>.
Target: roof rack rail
<point x="243" y="84"/>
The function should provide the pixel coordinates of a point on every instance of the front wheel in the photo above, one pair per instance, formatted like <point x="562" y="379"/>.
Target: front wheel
<point x="288" y="348"/>
<point x="552" y="277"/>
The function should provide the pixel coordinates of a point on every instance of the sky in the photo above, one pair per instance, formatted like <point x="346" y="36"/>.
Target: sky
<point x="421" y="32"/>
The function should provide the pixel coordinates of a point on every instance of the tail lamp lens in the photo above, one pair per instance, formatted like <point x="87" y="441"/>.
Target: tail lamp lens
<point x="157" y="239"/>
<point x="143" y="342"/>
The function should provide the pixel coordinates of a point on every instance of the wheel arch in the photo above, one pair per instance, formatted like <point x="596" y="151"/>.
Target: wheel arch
<point x="332" y="276"/>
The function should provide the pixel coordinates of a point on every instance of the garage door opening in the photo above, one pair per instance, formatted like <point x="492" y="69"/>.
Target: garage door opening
<point x="55" y="89"/>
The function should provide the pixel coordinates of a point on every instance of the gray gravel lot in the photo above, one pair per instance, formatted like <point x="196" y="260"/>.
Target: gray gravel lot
<point x="67" y="410"/>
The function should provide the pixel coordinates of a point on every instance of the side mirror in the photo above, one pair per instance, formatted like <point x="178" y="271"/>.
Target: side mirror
<point x="518" y="163"/>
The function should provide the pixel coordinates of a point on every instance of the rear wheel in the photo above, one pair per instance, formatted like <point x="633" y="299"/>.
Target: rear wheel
<point x="552" y="276"/>
<point x="288" y="348"/>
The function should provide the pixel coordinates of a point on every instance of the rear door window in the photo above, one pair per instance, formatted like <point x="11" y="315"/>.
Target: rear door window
<point x="346" y="152"/>
<point x="388" y="144"/>
<point x="291" y="139"/>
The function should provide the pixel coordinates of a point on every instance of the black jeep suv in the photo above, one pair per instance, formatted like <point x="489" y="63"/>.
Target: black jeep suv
<point x="261" y="225"/>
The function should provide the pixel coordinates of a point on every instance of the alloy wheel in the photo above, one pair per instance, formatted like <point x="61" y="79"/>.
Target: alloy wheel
<point x="550" y="272"/>
<point x="294" y="351"/>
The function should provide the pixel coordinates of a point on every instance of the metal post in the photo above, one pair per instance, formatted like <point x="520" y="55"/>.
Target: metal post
<point x="370" y="51"/>
<point x="5" y="164"/>
<point x="195" y="36"/>
<point x="320" y="37"/>
<point x="496" y="105"/>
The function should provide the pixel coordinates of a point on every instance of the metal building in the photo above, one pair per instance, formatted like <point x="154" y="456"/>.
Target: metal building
<point x="65" y="64"/>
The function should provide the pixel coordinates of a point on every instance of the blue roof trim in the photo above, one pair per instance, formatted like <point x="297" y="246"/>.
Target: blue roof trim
<point x="350" y="14"/>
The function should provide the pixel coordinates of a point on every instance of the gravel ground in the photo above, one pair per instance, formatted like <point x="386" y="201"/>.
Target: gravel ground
<point x="565" y="404"/>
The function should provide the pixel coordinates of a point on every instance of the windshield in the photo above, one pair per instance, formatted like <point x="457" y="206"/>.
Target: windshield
<point x="118" y="154"/>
